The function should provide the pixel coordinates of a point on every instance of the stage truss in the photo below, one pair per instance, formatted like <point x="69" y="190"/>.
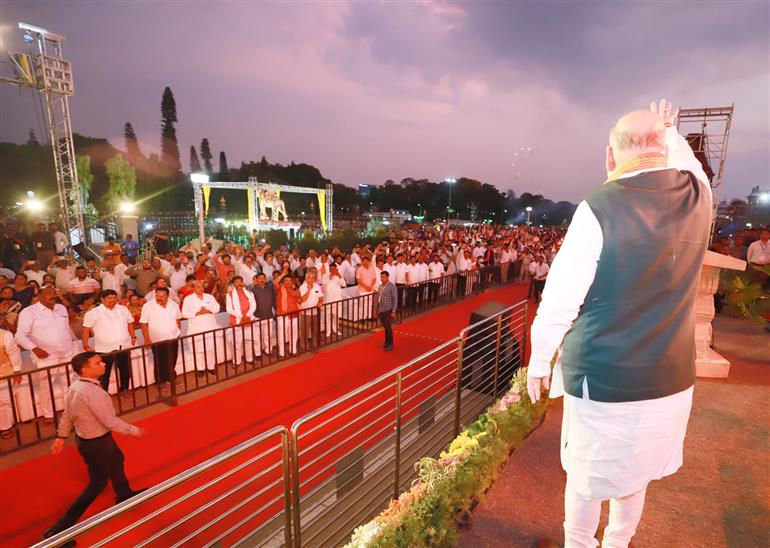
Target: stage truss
<point x="707" y="130"/>
<point x="48" y="72"/>
<point x="253" y="186"/>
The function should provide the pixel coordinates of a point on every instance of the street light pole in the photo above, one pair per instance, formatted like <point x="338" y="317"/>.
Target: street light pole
<point x="450" y="181"/>
<point x="529" y="212"/>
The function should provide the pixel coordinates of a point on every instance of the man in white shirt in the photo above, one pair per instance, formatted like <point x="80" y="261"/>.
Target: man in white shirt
<point x="199" y="309"/>
<point x="177" y="274"/>
<point x="332" y="284"/>
<point x="10" y="363"/>
<point x="160" y="323"/>
<point x="112" y="280"/>
<point x="311" y="299"/>
<point x="506" y="259"/>
<point x="241" y="305"/>
<point x="161" y="283"/>
<point x="539" y="270"/>
<point x="44" y="330"/>
<point x="759" y="251"/>
<point x="62" y="272"/>
<point x="113" y="328"/>
<point x="33" y="272"/>
<point x="59" y="239"/>
<point x="348" y="270"/>
<point x="435" y="274"/>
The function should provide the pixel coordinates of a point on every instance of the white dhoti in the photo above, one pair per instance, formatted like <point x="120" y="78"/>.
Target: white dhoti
<point x="50" y="385"/>
<point x="611" y="450"/>
<point x="204" y="347"/>
<point x="241" y="339"/>
<point x="288" y="328"/>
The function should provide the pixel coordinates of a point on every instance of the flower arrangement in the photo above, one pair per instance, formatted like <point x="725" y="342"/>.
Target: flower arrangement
<point x="449" y="487"/>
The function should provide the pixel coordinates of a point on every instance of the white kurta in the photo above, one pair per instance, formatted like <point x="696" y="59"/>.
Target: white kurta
<point x="609" y="450"/>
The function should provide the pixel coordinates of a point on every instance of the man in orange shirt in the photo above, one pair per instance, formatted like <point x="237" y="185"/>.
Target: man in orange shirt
<point x="286" y="307"/>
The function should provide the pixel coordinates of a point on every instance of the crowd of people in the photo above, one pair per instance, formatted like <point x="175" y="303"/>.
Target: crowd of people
<point x="48" y="299"/>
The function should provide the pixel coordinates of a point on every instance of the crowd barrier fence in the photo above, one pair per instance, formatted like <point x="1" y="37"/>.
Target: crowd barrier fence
<point x="336" y="467"/>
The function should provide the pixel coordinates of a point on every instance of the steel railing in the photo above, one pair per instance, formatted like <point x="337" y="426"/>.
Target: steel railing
<point x="336" y="467"/>
<point x="34" y="399"/>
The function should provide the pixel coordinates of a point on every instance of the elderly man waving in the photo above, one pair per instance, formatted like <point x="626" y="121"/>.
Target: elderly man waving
<point x="620" y="301"/>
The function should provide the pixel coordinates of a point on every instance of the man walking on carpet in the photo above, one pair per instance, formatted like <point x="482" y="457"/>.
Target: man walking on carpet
<point x="619" y="306"/>
<point x="89" y="412"/>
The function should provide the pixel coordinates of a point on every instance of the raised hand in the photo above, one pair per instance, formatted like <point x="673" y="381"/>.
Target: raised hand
<point x="666" y="112"/>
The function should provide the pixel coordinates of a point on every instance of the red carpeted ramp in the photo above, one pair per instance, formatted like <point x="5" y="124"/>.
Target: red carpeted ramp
<point x="34" y="494"/>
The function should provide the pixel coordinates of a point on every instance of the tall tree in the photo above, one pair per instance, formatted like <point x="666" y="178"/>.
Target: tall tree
<point x="195" y="164"/>
<point x="121" y="178"/>
<point x="206" y="155"/>
<point x="133" y="153"/>
<point x="224" y="171"/>
<point x="169" y="148"/>
<point x="32" y="139"/>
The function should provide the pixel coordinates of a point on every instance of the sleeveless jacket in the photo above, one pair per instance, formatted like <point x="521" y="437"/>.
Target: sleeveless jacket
<point x="634" y="337"/>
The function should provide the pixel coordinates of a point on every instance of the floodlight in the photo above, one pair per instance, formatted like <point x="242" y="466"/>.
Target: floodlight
<point x="30" y="194"/>
<point x="201" y="178"/>
<point x="34" y="205"/>
<point x="528" y="208"/>
<point x="127" y="207"/>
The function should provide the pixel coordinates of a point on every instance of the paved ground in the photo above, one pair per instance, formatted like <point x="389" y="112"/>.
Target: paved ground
<point x="720" y="496"/>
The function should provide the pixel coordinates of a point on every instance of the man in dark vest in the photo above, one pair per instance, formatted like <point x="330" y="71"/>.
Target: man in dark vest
<point x="619" y="305"/>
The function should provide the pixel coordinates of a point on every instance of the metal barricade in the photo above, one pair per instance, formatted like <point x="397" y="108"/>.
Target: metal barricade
<point x="237" y="498"/>
<point x="351" y="455"/>
<point x="336" y="467"/>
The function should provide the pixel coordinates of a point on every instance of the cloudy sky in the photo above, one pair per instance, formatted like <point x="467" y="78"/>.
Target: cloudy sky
<point x="520" y="95"/>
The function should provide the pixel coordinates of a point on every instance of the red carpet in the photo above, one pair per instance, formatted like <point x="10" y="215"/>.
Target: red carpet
<point x="34" y="494"/>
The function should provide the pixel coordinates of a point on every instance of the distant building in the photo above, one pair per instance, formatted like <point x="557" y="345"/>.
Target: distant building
<point x="759" y="205"/>
<point x="398" y="215"/>
<point x="364" y="190"/>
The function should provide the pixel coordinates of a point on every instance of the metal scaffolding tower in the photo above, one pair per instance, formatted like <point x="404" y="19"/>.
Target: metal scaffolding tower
<point x="707" y="130"/>
<point x="46" y="71"/>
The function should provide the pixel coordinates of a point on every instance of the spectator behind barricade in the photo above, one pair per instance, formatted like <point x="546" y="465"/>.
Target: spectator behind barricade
<point x="144" y="276"/>
<point x="112" y="247"/>
<point x="44" y="244"/>
<point x="365" y="276"/>
<point x="82" y="286"/>
<point x="186" y="289"/>
<point x="32" y="272"/>
<point x="60" y="240"/>
<point x="112" y="280"/>
<point x="286" y="307"/>
<point x="10" y="363"/>
<point x="161" y="283"/>
<point x="199" y="310"/>
<point x="44" y="330"/>
<point x="310" y="299"/>
<point x="225" y="267"/>
<point x="160" y="322"/>
<point x="62" y="271"/>
<point x="22" y="292"/>
<point x="112" y="327"/>
<point x="93" y="270"/>
<point x="9" y="308"/>
<point x="130" y="248"/>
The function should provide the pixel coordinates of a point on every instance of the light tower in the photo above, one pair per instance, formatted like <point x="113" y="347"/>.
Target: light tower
<point x="44" y="69"/>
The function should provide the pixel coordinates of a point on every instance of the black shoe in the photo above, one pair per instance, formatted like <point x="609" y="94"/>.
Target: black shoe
<point x="200" y="373"/>
<point x="118" y="500"/>
<point x="211" y="371"/>
<point x="388" y="347"/>
<point x="53" y="530"/>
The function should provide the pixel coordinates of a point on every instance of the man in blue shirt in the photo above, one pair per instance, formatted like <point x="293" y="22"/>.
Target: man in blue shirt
<point x="130" y="248"/>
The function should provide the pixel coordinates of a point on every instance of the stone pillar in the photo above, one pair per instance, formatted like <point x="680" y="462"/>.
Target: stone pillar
<point x="129" y="224"/>
<point x="708" y="362"/>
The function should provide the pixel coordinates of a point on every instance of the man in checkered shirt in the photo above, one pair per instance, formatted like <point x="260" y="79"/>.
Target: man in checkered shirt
<point x="387" y="305"/>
